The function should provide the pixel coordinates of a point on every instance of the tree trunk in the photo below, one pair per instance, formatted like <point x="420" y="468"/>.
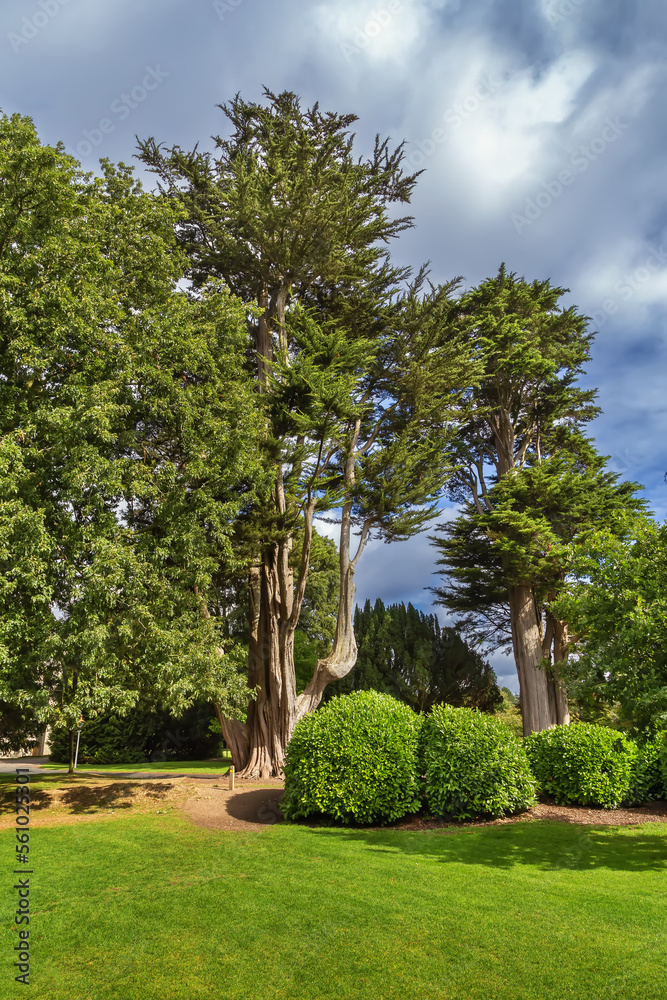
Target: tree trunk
<point x="258" y="747"/>
<point x="271" y="717"/>
<point x="560" y="654"/>
<point x="343" y="656"/>
<point x="538" y="709"/>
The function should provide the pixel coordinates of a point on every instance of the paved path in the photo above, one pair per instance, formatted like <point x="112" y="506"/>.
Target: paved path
<point x="34" y="766"/>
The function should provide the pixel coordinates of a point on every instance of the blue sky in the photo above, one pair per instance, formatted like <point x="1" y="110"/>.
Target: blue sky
<point x="541" y="125"/>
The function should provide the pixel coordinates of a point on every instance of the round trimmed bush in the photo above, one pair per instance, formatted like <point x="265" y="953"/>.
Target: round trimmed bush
<point x="473" y="765"/>
<point x="354" y="760"/>
<point x="583" y="764"/>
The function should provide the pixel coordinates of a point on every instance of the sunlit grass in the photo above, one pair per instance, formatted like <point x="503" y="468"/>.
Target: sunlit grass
<point x="150" y="907"/>
<point x="220" y="766"/>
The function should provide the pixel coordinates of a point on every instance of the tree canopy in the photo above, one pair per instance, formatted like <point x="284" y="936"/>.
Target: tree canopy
<point x="528" y="479"/>
<point x="357" y="372"/>
<point x="128" y="444"/>
<point x="616" y="602"/>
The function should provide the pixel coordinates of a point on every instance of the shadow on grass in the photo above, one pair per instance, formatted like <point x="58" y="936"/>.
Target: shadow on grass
<point x="86" y="798"/>
<point x="542" y="844"/>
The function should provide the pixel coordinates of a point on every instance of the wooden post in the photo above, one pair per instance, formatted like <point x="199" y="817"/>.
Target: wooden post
<point x="231" y="778"/>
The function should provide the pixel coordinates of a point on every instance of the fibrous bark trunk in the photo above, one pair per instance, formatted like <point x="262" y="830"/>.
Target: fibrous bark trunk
<point x="258" y="746"/>
<point x="536" y="710"/>
<point x="559" y="655"/>
<point x="543" y="697"/>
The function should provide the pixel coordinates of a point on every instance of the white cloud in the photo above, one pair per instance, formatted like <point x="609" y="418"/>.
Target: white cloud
<point x="380" y="32"/>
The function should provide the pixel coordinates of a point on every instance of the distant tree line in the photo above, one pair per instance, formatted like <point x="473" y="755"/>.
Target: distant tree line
<point x="406" y="653"/>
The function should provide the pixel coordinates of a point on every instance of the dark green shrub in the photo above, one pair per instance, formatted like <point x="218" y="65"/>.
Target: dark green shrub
<point x="661" y="747"/>
<point x="646" y="781"/>
<point x="473" y="765"/>
<point x="354" y="760"/>
<point x="104" y="741"/>
<point x="583" y="764"/>
<point x="142" y="736"/>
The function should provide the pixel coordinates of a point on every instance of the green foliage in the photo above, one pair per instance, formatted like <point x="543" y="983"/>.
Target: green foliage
<point x="354" y="760"/>
<point x="406" y="653"/>
<point x="526" y="407"/>
<point x="284" y="198"/>
<point x="509" y="712"/>
<point x="616" y="601"/>
<point x="357" y="378"/>
<point x="661" y="744"/>
<point x="142" y="736"/>
<point x="104" y="741"/>
<point x="127" y="447"/>
<point x="524" y="535"/>
<point x="647" y="780"/>
<point x="473" y="765"/>
<point x="584" y="764"/>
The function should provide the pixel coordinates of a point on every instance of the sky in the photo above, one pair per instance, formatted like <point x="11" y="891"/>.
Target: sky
<point x="539" y="123"/>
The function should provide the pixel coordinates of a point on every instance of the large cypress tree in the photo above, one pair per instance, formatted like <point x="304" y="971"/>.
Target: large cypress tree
<point x="523" y="539"/>
<point x="526" y="408"/>
<point x="355" y="378"/>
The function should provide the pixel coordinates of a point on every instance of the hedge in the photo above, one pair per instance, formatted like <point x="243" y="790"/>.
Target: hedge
<point x="584" y="764"/>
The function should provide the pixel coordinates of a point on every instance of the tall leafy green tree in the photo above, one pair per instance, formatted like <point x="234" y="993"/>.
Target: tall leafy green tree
<point x="127" y="426"/>
<point x="616" y="603"/>
<point x="356" y="379"/>
<point x="406" y="653"/>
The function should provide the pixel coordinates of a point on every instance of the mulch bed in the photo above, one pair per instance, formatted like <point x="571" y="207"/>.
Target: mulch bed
<point x="651" y="812"/>
<point x="254" y="805"/>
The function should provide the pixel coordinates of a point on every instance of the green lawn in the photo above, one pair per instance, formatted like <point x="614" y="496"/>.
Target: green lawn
<point x="160" y="767"/>
<point x="156" y="909"/>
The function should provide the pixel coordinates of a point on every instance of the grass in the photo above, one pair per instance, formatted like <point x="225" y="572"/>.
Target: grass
<point x="155" y="767"/>
<point x="148" y="907"/>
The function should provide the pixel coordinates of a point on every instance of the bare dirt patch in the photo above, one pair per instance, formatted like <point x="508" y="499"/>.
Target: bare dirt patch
<point x="56" y="799"/>
<point x="251" y="806"/>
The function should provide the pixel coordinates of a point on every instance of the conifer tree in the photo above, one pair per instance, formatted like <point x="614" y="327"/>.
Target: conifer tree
<point x="357" y="378"/>
<point x="524" y="539"/>
<point x="525" y="474"/>
<point x="406" y="653"/>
